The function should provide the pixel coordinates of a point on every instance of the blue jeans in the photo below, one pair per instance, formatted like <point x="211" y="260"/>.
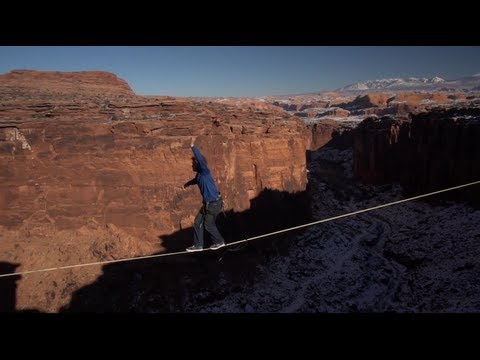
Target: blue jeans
<point x="205" y="219"/>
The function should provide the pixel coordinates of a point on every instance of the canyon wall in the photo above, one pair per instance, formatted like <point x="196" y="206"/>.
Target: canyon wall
<point x="92" y="172"/>
<point x="427" y="152"/>
<point x="329" y="133"/>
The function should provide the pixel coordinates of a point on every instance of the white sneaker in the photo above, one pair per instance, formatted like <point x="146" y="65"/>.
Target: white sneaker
<point x="193" y="248"/>
<point x="217" y="246"/>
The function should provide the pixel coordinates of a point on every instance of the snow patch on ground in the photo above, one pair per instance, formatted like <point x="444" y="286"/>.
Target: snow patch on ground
<point x="353" y="120"/>
<point x="411" y="257"/>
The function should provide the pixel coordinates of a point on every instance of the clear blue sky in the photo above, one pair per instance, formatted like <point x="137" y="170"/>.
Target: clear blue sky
<point x="249" y="70"/>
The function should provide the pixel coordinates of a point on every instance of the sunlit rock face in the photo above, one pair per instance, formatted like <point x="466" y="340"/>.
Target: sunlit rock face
<point x="90" y="171"/>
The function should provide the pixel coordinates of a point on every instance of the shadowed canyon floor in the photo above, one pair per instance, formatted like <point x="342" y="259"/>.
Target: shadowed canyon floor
<point x="413" y="257"/>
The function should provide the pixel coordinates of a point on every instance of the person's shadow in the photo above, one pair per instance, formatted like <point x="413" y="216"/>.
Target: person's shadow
<point x="180" y="283"/>
<point x="8" y="287"/>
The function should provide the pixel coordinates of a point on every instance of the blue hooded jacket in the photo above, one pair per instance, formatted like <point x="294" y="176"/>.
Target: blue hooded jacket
<point x="204" y="178"/>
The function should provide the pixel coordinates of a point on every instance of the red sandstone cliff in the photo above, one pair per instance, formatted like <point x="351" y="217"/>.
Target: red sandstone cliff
<point x="328" y="132"/>
<point x="89" y="171"/>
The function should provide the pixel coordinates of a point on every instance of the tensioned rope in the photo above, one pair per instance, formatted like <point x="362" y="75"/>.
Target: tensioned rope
<point x="247" y="239"/>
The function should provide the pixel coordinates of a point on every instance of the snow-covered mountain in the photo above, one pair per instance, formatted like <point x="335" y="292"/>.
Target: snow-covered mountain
<point x="413" y="83"/>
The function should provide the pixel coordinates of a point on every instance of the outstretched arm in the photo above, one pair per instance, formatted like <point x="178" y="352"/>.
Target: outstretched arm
<point x="198" y="155"/>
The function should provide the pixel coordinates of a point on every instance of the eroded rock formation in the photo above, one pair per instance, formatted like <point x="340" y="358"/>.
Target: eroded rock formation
<point x="428" y="152"/>
<point x="330" y="133"/>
